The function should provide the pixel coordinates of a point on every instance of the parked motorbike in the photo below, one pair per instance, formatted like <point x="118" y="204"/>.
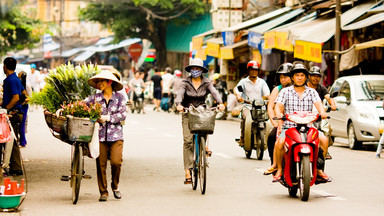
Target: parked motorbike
<point x="255" y="128"/>
<point x="301" y="154"/>
<point x="137" y="96"/>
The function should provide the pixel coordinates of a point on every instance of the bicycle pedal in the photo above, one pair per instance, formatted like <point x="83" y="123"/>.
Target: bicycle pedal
<point x="87" y="176"/>
<point x="207" y="165"/>
<point x="65" y="178"/>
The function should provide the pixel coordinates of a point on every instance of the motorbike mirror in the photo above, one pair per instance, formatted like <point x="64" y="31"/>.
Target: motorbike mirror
<point x="240" y="88"/>
<point x="334" y="94"/>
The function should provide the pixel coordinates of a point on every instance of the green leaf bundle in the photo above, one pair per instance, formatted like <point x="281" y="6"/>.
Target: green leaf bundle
<point x="65" y="83"/>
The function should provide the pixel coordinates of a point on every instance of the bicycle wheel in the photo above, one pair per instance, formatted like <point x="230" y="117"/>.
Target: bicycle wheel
<point x="195" y="169"/>
<point x="76" y="171"/>
<point x="202" y="165"/>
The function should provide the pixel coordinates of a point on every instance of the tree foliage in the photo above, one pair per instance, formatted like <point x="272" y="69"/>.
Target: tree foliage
<point x="146" y="19"/>
<point x="18" y="30"/>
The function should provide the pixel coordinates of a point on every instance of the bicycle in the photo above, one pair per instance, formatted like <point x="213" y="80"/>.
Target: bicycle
<point x="200" y="126"/>
<point x="79" y="148"/>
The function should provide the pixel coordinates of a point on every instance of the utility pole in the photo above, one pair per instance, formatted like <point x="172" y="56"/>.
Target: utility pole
<point x="61" y="28"/>
<point x="337" y="38"/>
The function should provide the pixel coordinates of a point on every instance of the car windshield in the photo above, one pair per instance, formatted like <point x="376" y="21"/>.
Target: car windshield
<point x="370" y="90"/>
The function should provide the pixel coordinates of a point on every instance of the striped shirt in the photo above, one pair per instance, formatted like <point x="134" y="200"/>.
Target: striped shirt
<point x="292" y="101"/>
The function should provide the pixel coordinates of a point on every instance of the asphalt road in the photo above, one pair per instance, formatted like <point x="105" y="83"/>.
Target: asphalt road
<point x="152" y="176"/>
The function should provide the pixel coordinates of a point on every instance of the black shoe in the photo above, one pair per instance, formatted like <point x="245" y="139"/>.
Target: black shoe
<point x="16" y="172"/>
<point x="103" y="198"/>
<point x="117" y="194"/>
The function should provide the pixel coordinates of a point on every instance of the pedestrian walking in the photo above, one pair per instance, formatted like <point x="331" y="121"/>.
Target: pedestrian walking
<point x="24" y="108"/>
<point x="157" y="89"/>
<point x="111" y="130"/>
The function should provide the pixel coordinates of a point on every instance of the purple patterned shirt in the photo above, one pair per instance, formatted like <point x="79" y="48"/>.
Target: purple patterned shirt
<point x="113" y="130"/>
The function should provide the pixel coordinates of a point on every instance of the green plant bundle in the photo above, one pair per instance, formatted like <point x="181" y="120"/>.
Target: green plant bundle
<point x="65" y="83"/>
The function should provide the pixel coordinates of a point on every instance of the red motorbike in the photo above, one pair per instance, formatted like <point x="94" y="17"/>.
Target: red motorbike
<point x="301" y="152"/>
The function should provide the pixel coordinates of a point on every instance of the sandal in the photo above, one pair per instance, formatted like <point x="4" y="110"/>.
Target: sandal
<point x="323" y="178"/>
<point x="276" y="179"/>
<point x="188" y="181"/>
<point x="208" y="153"/>
<point x="270" y="171"/>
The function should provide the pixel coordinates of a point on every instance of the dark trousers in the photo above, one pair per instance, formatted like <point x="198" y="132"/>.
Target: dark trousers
<point x="115" y="149"/>
<point x="271" y="142"/>
<point x="23" y="140"/>
<point x="15" y="162"/>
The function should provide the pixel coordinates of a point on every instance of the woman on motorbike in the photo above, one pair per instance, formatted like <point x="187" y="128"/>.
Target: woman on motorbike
<point x="137" y="86"/>
<point x="193" y="91"/>
<point x="285" y="81"/>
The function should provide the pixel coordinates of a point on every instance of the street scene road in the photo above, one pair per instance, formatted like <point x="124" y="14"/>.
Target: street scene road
<point x="152" y="176"/>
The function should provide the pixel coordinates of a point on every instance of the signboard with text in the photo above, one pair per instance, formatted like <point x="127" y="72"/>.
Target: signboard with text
<point x="308" y="51"/>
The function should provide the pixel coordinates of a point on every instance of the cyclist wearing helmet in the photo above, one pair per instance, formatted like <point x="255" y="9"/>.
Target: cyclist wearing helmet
<point x="314" y="82"/>
<point x="298" y="97"/>
<point x="285" y="81"/>
<point x="253" y="88"/>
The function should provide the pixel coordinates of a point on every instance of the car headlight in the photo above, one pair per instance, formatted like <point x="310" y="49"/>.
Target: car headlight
<point x="366" y="114"/>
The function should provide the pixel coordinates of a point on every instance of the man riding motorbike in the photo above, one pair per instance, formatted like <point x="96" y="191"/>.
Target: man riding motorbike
<point x="314" y="82"/>
<point x="253" y="88"/>
<point x="298" y="97"/>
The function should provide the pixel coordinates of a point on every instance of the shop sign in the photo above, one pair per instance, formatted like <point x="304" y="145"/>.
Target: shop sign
<point x="197" y="43"/>
<point x="226" y="53"/>
<point x="269" y="40"/>
<point x="213" y="49"/>
<point x="256" y="55"/>
<point x="283" y="42"/>
<point x="201" y="53"/>
<point x="254" y="39"/>
<point x="228" y="37"/>
<point x="308" y="51"/>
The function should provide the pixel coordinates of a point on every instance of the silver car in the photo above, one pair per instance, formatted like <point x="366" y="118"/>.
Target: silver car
<point x="360" y="102"/>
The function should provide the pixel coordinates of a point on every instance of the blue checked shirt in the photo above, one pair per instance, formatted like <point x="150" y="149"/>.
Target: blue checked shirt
<point x="292" y="102"/>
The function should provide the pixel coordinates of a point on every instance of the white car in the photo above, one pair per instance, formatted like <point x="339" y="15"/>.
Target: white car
<point x="360" y="102"/>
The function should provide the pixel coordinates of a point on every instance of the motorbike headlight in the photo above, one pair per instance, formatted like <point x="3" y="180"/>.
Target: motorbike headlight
<point x="366" y="114"/>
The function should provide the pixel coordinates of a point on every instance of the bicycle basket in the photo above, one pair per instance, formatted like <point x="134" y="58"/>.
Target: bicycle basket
<point x="201" y="120"/>
<point x="80" y="129"/>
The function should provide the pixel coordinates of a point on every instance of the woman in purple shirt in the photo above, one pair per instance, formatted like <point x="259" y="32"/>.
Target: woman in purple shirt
<point x="111" y="129"/>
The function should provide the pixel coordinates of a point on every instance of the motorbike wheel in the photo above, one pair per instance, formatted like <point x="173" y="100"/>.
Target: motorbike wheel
<point x="305" y="178"/>
<point x="293" y="191"/>
<point x="260" y="146"/>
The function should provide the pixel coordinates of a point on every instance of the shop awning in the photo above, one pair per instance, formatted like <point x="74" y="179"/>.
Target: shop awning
<point x="321" y="30"/>
<point x="368" y="44"/>
<point x="376" y="18"/>
<point x="179" y="36"/>
<point x="226" y="52"/>
<point x="378" y="9"/>
<point x="207" y="33"/>
<point x="260" y="29"/>
<point x="71" y="52"/>
<point x="259" y="19"/>
<point x="122" y="44"/>
<point x="84" y="56"/>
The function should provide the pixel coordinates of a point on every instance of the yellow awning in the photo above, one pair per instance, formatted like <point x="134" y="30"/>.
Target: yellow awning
<point x="227" y="51"/>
